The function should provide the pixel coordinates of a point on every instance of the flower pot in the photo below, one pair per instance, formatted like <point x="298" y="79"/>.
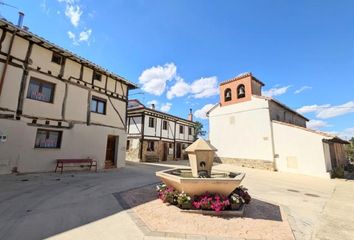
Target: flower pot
<point x="235" y="206"/>
<point x="186" y="206"/>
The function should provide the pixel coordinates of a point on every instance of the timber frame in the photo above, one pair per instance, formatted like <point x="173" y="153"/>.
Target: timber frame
<point x="24" y="65"/>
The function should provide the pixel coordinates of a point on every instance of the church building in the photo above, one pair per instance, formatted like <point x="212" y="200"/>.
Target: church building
<point x="261" y="132"/>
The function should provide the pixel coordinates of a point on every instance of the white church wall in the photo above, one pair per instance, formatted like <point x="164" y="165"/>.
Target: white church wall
<point x="299" y="151"/>
<point x="242" y="131"/>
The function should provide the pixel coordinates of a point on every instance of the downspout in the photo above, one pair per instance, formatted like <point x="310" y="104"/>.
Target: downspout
<point x="272" y="139"/>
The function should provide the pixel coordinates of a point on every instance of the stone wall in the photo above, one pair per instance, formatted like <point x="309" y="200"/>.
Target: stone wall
<point x="132" y="153"/>
<point x="250" y="163"/>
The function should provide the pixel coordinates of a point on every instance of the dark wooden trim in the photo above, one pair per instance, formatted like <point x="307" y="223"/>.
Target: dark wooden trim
<point x="88" y="113"/>
<point x="21" y="94"/>
<point x="174" y="142"/>
<point x="76" y="82"/>
<point x="117" y="111"/>
<point x="2" y="38"/>
<point x="105" y="84"/>
<point x="63" y="109"/>
<point x="32" y="38"/>
<point x="62" y="67"/>
<point x="4" y="70"/>
<point x="142" y="136"/>
<point x="48" y="126"/>
<point x="136" y="125"/>
<point x="81" y="72"/>
<point x="161" y="122"/>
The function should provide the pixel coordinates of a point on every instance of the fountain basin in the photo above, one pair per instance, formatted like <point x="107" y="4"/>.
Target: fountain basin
<point x="182" y="180"/>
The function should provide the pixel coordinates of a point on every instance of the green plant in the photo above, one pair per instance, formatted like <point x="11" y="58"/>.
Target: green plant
<point x="184" y="198"/>
<point x="338" y="172"/>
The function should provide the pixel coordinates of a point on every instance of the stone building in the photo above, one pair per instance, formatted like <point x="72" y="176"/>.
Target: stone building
<point x="55" y="104"/>
<point x="157" y="136"/>
<point x="252" y="130"/>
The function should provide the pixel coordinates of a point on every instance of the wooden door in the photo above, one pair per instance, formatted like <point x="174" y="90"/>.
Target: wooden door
<point x="165" y="151"/>
<point x="178" y="150"/>
<point x="333" y="155"/>
<point x="110" y="151"/>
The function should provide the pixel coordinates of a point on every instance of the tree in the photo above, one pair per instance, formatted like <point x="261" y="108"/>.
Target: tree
<point x="199" y="132"/>
<point x="350" y="149"/>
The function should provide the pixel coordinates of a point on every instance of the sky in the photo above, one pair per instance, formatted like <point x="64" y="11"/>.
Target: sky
<point x="178" y="51"/>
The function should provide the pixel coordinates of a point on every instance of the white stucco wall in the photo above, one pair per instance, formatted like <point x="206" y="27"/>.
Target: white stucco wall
<point x="81" y="141"/>
<point x="299" y="151"/>
<point x="242" y="130"/>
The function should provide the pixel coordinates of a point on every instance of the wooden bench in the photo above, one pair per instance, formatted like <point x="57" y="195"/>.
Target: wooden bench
<point x="89" y="162"/>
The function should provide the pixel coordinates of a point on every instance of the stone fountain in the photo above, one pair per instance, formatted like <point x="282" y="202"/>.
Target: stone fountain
<point x="200" y="177"/>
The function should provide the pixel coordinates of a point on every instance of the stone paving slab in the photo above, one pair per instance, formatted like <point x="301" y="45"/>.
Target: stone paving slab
<point x="262" y="220"/>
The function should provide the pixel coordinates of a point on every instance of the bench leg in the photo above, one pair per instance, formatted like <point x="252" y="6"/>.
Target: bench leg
<point x="56" y="168"/>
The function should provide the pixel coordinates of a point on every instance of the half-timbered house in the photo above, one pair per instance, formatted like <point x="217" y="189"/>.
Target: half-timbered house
<point x="157" y="136"/>
<point x="55" y="104"/>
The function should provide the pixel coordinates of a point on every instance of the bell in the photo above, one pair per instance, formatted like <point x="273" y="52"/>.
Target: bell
<point x="228" y="94"/>
<point x="241" y="91"/>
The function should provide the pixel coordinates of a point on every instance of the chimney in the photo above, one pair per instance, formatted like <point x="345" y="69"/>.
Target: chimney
<point x="153" y="106"/>
<point x="20" y="19"/>
<point x="190" y="115"/>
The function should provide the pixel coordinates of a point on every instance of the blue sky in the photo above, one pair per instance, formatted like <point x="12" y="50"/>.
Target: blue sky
<point x="178" y="51"/>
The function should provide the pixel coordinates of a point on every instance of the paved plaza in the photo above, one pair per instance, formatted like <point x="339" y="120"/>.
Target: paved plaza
<point x="121" y="204"/>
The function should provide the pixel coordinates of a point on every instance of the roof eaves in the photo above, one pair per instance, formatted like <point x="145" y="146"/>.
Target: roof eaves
<point x="42" y="41"/>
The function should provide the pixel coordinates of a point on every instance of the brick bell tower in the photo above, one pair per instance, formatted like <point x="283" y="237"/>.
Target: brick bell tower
<point x="239" y="89"/>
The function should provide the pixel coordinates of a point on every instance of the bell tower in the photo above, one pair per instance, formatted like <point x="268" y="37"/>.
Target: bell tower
<point x="239" y="89"/>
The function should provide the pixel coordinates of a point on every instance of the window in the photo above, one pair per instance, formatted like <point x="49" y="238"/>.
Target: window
<point x="189" y="131"/>
<point x="57" y="58"/>
<point x="98" y="105"/>
<point x="97" y="76"/>
<point x="41" y="90"/>
<point x="181" y="129"/>
<point x="241" y="91"/>
<point x="151" y="122"/>
<point x="48" y="139"/>
<point x="227" y="95"/>
<point x="164" y="125"/>
<point x="170" y="145"/>
<point x="128" y="145"/>
<point x="151" y="146"/>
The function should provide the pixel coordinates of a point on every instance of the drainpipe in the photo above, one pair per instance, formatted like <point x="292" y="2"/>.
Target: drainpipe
<point x="272" y="139"/>
<point x="20" y="21"/>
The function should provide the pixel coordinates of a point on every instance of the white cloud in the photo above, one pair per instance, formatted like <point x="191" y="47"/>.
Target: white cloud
<point x="347" y="133"/>
<point x="45" y="7"/>
<point x="311" y="108"/>
<point x="166" y="107"/>
<point x="316" y="124"/>
<point x="180" y="89"/>
<point x="201" y="113"/>
<point x="328" y="111"/>
<point x="85" y="35"/>
<point x="276" y="91"/>
<point x="201" y="88"/>
<point x="303" y="88"/>
<point x="72" y="37"/>
<point x="335" y="111"/>
<point x="205" y="87"/>
<point x="74" y="13"/>
<point x="154" y="79"/>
